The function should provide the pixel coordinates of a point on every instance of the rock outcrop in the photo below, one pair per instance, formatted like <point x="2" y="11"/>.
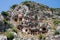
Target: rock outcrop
<point x="30" y="18"/>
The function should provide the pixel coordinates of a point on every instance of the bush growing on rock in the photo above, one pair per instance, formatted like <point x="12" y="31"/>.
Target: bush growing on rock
<point x="13" y="6"/>
<point x="15" y="29"/>
<point x="56" y="22"/>
<point x="5" y="25"/>
<point x="9" y="35"/>
<point x="4" y="13"/>
<point x="5" y="21"/>
<point x="56" y="32"/>
<point x="41" y="37"/>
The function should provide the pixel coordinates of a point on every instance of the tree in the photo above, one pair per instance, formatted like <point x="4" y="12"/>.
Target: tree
<point x="6" y="25"/>
<point x="5" y="21"/>
<point x="4" y="13"/>
<point x="13" y="6"/>
<point x="52" y="9"/>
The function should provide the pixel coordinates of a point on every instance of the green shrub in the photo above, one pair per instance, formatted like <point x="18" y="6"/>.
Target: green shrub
<point x="10" y="25"/>
<point x="56" y="22"/>
<point x="13" y="6"/>
<point x="56" y="32"/>
<point x="5" y="21"/>
<point x="6" y="25"/>
<point x="41" y="37"/>
<point x="27" y="3"/>
<point x="9" y="35"/>
<point x="52" y="9"/>
<point x="4" y="13"/>
<point x="15" y="29"/>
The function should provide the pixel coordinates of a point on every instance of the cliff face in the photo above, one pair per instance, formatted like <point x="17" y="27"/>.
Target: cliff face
<point x="34" y="11"/>
<point x="34" y="8"/>
<point x="30" y="18"/>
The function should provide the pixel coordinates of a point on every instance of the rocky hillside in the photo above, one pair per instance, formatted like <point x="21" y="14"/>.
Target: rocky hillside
<point x="30" y="21"/>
